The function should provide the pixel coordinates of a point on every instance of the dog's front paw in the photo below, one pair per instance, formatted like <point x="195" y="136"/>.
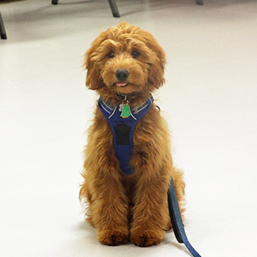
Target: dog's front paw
<point x="113" y="237"/>
<point x="146" y="238"/>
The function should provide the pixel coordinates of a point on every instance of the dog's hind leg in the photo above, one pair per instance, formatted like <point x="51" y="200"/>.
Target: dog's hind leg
<point x="86" y="198"/>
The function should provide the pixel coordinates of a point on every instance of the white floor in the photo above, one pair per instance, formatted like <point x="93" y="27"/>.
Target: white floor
<point x="209" y="100"/>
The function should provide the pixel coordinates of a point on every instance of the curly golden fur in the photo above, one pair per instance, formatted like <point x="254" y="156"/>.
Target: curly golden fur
<point x="133" y="207"/>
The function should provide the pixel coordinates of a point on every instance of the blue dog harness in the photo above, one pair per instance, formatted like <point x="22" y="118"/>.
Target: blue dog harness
<point x="123" y="121"/>
<point x="123" y="128"/>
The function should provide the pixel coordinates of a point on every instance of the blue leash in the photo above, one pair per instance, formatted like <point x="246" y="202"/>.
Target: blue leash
<point x="176" y="220"/>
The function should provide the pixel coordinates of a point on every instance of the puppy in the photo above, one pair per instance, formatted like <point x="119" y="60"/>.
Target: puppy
<point x="128" y="164"/>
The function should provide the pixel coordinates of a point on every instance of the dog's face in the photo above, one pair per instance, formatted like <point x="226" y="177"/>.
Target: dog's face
<point x="125" y="59"/>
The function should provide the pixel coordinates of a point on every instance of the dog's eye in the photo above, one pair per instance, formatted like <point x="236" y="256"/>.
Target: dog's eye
<point x="135" y="54"/>
<point x="111" y="54"/>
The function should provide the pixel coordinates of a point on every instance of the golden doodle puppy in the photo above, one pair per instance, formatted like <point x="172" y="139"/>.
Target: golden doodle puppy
<point x="128" y="164"/>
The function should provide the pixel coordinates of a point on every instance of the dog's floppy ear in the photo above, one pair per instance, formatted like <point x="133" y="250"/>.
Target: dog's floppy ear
<point x="93" y="78"/>
<point x="157" y="66"/>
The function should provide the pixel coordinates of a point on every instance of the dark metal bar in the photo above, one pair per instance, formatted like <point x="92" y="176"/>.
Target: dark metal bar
<point x="55" y="2"/>
<point x="199" y="2"/>
<point x="2" y="29"/>
<point x="114" y="8"/>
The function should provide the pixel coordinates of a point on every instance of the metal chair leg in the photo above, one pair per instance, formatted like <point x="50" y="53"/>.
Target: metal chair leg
<point x="112" y="3"/>
<point x="2" y="29"/>
<point x="199" y="2"/>
<point x="114" y="8"/>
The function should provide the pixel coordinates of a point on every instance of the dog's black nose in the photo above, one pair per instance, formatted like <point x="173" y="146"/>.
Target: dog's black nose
<point x="122" y="75"/>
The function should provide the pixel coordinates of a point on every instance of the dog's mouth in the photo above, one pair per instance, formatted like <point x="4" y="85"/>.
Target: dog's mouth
<point x="121" y="84"/>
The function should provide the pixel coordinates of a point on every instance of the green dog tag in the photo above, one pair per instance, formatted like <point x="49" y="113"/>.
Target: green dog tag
<point x="125" y="111"/>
